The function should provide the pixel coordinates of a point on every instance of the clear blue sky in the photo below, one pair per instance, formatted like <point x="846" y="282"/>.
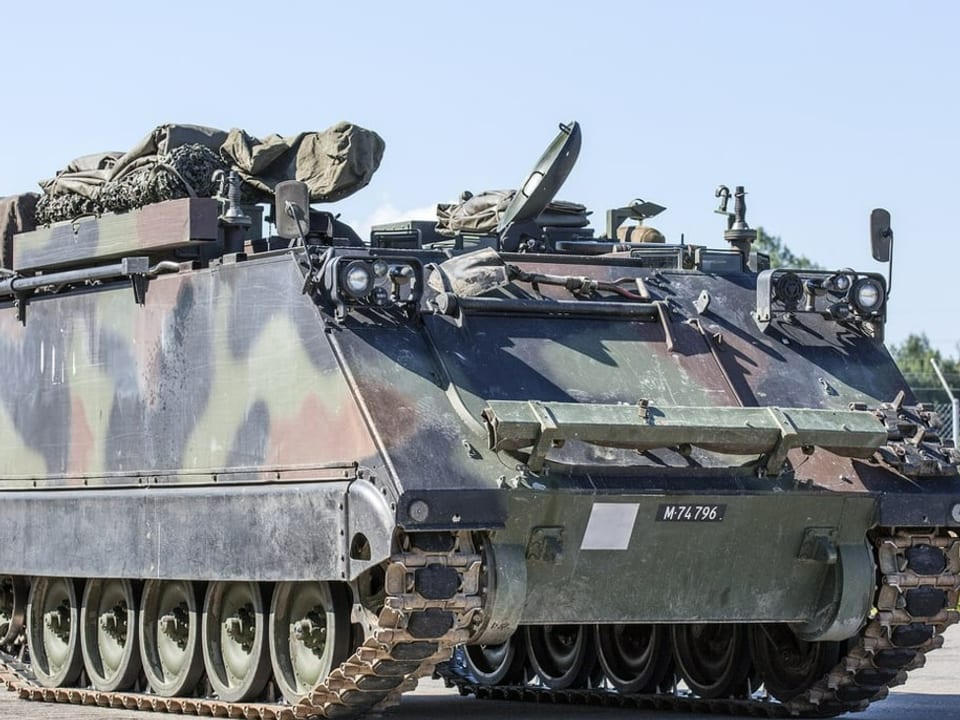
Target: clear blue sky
<point x="823" y="110"/>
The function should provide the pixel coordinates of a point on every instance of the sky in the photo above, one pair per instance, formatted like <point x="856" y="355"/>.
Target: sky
<point x="823" y="110"/>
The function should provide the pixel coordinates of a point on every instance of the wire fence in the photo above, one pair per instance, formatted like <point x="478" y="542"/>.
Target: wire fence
<point x="945" y="411"/>
<point x="928" y="389"/>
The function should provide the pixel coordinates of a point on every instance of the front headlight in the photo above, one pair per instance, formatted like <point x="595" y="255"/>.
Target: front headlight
<point x="357" y="279"/>
<point x="867" y="295"/>
<point x="838" y="283"/>
<point x="380" y="268"/>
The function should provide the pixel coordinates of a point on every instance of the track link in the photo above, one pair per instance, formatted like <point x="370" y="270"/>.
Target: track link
<point x="916" y="600"/>
<point x="412" y="634"/>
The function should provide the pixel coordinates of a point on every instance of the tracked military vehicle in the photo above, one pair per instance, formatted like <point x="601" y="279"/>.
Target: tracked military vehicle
<point x="286" y="476"/>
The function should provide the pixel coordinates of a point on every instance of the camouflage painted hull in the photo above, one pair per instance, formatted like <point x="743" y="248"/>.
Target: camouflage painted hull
<point x="467" y="469"/>
<point x="226" y="412"/>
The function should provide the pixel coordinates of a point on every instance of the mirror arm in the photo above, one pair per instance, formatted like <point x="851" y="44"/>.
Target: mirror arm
<point x="293" y="210"/>
<point x="881" y="241"/>
<point x="890" y="269"/>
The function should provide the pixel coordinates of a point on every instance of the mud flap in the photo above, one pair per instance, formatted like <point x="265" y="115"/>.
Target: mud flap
<point x="846" y="596"/>
<point x="507" y="593"/>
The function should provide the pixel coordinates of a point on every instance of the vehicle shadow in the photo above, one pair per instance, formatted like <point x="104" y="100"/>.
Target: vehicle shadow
<point x="433" y="702"/>
<point x="915" y="706"/>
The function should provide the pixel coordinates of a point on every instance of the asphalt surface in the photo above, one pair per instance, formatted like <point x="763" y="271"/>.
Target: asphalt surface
<point x="931" y="693"/>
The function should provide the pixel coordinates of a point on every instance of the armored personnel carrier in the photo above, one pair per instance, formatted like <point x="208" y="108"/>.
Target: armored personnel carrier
<point x="285" y="476"/>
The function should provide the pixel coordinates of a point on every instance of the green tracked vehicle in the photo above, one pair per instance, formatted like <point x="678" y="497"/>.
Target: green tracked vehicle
<point x="285" y="476"/>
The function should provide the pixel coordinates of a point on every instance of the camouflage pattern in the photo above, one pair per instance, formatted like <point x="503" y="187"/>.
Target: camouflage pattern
<point x="230" y="374"/>
<point x="473" y="456"/>
<point x="201" y="380"/>
<point x="199" y="386"/>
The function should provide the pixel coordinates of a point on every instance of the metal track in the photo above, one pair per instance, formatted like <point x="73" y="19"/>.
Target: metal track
<point x="916" y="599"/>
<point x="409" y="639"/>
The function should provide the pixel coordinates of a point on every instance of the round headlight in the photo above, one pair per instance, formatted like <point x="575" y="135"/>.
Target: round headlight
<point x="838" y="283"/>
<point x="380" y="268"/>
<point x="357" y="279"/>
<point x="867" y="295"/>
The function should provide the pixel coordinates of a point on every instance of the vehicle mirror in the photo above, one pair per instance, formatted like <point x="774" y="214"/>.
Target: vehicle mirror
<point x="292" y="199"/>
<point x="881" y="235"/>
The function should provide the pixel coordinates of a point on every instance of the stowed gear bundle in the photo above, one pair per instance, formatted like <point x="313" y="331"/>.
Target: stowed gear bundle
<point x="176" y="161"/>
<point x="184" y="171"/>
<point x="482" y="213"/>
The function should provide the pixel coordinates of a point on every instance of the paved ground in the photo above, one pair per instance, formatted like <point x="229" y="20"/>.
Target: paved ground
<point x="933" y="693"/>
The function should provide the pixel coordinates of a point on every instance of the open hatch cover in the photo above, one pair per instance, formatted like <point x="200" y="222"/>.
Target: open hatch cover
<point x="543" y="183"/>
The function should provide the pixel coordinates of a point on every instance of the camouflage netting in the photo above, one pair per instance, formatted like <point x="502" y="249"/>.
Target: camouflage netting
<point x="186" y="171"/>
<point x="176" y="161"/>
<point x="481" y="214"/>
<point x="52" y="208"/>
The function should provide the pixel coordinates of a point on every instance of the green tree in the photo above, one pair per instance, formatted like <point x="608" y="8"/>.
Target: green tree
<point x="780" y="254"/>
<point x="913" y="357"/>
